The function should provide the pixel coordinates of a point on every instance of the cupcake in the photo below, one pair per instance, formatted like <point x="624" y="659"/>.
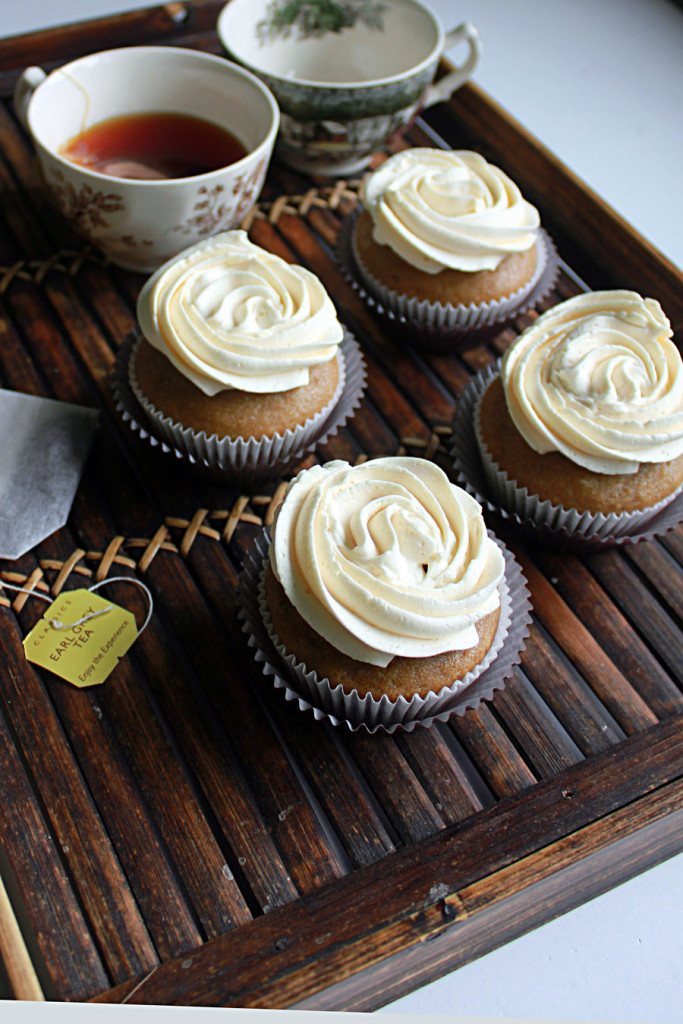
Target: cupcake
<point x="582" y="429"/>
<point x="240" y="358"/>
<point x="446" y="242"/>
<point x="383" y="590"/>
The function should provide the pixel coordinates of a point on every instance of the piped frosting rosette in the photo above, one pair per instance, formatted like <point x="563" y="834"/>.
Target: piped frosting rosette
<point x="231" y="315"/>
<point x="382" y="559"/>
<point x="598" y="379"/>
<point x="441" y="209"/>
<point x="451" y="209"/>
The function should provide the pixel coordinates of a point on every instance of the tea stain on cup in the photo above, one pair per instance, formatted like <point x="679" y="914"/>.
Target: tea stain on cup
<point x="84" y="93"/>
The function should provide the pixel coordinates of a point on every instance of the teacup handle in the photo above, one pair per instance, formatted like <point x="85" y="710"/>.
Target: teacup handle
<point x="446" y="86"/>
<point x="28" y="82"/>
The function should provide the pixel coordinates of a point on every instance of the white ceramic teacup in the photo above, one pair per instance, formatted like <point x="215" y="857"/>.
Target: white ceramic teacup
<point x="139" y="224"/>
<point x="346" y="78"/>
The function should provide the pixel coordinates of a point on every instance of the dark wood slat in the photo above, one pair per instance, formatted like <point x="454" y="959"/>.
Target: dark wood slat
<point x="527" y="717"/>
<point x="451" y="370"/>
<point x="658" y="624"/>
<point x="64" y="950"/>
<point x="169" y="927"/>
<point x="74" y="821"/>
<point x="372" y="432"/>
<point x="291" y="820"/>
<point x="584" y="717"/>
<point x="319" y="939"/>
<point x="439" y="764"/>
<point x="395" y="786"/>
<point x="193" y="722"/>
<point x="158" y="770"/>
<point x="215" y="769"/>
<point x="339" y="789"/>
<point x="231" y="704"/>
<point x="203" y="867"/>
<point x="553" y="885"/>
<point x="643" y="610"/>
<point x="14" y="361"/>
<point x="27" y="205"/>
<point x="622" y="645"/>
<point x="500" y="763"/>
<point x="620" y="698"/>
<point x="673" y="541"/>
<point x="341" y="794"/>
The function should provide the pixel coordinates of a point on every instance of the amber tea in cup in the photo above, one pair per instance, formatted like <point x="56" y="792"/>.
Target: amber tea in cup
<point x="141" y="222"/>
<point x="154" y="145"/>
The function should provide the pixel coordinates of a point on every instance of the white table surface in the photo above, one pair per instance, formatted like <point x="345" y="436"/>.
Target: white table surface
<point x="600" y="83"/>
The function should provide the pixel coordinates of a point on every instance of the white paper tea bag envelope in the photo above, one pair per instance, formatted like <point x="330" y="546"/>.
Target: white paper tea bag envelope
<point x="43" y="448"/>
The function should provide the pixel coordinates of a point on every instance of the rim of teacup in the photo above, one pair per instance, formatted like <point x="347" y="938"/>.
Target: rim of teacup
<point x="266" y="144"/>
<point x="369" y="83"/>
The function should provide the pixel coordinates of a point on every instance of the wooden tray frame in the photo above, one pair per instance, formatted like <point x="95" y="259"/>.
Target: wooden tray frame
<point x="357" y="941"/>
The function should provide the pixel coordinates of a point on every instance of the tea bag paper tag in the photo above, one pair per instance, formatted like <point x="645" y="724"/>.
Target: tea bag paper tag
<point x="81" y="637"/>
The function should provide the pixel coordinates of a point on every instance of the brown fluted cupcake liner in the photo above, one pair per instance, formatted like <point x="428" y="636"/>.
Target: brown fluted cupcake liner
<point x="437" y="326"/>
<point x="243" y="461"/>
<point x="480" y="475"/>
<point x="332" y="703"/>
<point x="230" y="452"/>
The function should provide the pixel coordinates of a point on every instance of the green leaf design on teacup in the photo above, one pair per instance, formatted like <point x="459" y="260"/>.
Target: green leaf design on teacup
<point x="314" y="18"/>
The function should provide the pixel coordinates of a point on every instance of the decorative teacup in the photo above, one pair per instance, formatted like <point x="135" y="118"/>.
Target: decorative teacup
<point x="139" y="224"/>
<point x="347" y="74"/>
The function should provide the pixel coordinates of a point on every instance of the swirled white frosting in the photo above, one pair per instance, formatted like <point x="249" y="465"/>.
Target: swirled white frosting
<point x="229" y="314"/>
<point x="386" y="558"/>
<point x="598" y="379"/>
<point x="437" y="209"/>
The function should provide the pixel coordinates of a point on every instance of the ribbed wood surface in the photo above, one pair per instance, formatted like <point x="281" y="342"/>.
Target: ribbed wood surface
<point x="183" y="811"/>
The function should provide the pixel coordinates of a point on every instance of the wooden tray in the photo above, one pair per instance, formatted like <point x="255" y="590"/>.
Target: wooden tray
<point x="182" y="834"/>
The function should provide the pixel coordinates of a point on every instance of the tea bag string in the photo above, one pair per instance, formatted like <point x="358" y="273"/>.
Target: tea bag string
<point x="56" y="624"/>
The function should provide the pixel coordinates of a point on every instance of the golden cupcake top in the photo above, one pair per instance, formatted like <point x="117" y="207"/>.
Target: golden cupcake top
<point x="441" y="209"/>
<point x="598" y="379"/>
<point x="386" y="558"/>
<point x="229" y="314"/>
